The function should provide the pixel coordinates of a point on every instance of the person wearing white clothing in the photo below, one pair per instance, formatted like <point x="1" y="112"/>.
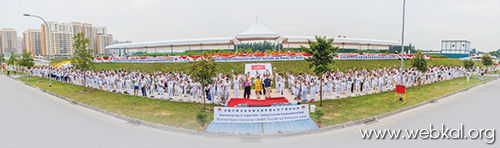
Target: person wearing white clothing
<point x="337" y="88"/>
<point x="194" y="92"/>
<point x="119" y="84"/>
<point x="324" y="88"/>
<point x="282" y="86"/>
<point x="313" y="90"/>
<point x="212" y="92"/>
<point x="170" y="85"/>
<point x="304" y="87"/>
<point x="236" y="87"/>
<point x="161" y="89"/>
<point x="227" y="91"/>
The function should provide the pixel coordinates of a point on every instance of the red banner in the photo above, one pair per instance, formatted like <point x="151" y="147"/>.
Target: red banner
<point x="258" y="67"/>
<point x="401" y="89"/>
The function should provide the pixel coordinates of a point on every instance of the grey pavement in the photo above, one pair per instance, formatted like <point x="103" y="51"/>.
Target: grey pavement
<point x="31" y="118"/>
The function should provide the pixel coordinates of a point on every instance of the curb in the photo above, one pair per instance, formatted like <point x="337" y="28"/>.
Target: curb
<point x="382" y="116"/>
<point x="225" y="135"/>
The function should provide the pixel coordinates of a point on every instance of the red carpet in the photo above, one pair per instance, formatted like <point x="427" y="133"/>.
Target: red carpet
<point x="252" y="102"/>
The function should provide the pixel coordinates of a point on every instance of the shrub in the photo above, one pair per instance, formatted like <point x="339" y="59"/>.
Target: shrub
<point x="486" y="60"/>
<point x="468" y="64"/>
<point x="201" y="118"/>
<point x="419" y="62"/>
<point x="318" y="114"/>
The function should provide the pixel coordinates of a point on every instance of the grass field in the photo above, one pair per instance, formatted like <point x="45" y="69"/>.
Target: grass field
<point x="295" y="67"/>
<point x="179" y="114"/>
<point x="182" y="115"/>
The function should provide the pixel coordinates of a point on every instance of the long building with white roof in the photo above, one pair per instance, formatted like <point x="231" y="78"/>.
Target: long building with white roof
<point x="256" y="32"/>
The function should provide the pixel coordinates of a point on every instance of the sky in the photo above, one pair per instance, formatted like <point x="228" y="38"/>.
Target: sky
<point x="427" y="21"/>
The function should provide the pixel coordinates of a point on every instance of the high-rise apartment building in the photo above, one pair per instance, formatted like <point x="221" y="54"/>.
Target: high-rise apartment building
<point x="62" y="43"/>
<point x="77" y="27"/>
<point x="32" y="41"/>
<point x="8" y="40"/>
<point x="20" y="45"/>
<point x="62" y="37"/>
<point x="103" y="41"/>
<point x="89" y="33"/>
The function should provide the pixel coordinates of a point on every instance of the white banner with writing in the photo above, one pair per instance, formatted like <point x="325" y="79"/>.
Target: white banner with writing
<point x="260" y="114"/>
<point x="248" y="58"/>
<point x="259" y="68"/>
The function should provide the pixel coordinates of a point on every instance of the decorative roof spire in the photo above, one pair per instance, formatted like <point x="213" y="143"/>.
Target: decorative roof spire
<point x="257" y="30"/>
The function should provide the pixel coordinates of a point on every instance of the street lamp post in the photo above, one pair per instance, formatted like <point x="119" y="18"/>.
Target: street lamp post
<point x="402" y="42"/>
<point x="1" y="59"/>
<point x="50" y="48"/>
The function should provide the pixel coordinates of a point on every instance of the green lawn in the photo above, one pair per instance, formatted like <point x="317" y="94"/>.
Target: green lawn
<point x="356" y="108"/>
<point x="12" y="73"/>
<point x="177" y="114"/>
<point x="281" y="66"/>
<point x="182" y="115"/>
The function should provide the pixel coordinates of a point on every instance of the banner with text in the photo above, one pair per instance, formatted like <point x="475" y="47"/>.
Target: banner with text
<point x="260" y="114"/>
<point x="259" y="68"/>
<point x="248" y="58"/>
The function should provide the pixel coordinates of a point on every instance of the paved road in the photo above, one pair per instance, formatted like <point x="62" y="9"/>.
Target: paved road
<point x="30" y="118"/>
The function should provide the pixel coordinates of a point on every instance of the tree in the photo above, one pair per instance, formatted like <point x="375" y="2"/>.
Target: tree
<point x="322" y="52"/>
<point x="420" y="63"/>
<point x="249" y="50"/>
<point x="26" y="59"/>
<point x="1" y="60"/>
<point x="12" y="59"/>
<point x="203" y="71"/>
<point x="495" y="53"/>
<point x="261" y="46"/>
<point x="82" y="56"/>
<point x="468" y="64"/>
<point x="486" y="60"/>
<point x="473" y="51"/>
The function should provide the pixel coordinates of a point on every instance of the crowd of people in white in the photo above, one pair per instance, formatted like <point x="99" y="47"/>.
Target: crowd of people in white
<point x="304" y="86"/>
